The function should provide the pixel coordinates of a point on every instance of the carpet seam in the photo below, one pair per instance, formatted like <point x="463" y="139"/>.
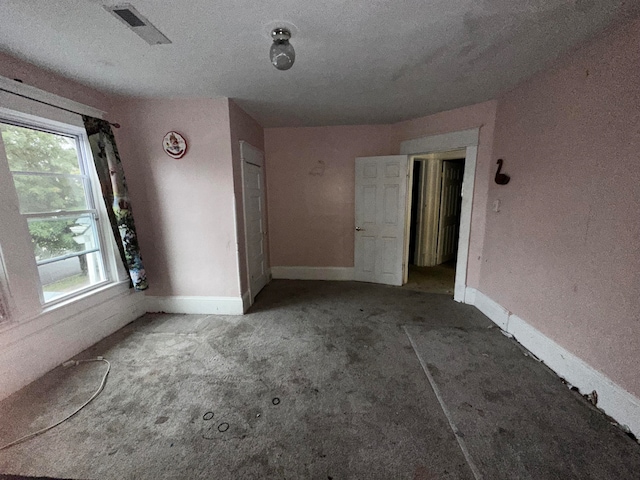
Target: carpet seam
<point x="447" y="413"/>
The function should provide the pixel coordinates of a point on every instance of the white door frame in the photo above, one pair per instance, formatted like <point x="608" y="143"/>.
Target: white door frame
<point x="429" y="207"/>
<point x="244" y="145"/>
<point x="467" y="139"/>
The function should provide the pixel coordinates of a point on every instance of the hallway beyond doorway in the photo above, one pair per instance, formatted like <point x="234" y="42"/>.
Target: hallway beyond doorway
<point x="438" y="279"/>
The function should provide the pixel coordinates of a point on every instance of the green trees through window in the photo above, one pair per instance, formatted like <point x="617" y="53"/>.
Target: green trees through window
<point x="48" y="178"/>
<point x="54" y="194"/>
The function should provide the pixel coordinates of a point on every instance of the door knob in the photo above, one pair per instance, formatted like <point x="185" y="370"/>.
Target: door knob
<point x="358" y="229"/>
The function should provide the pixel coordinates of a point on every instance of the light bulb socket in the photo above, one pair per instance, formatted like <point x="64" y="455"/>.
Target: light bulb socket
<point x="282" y="54"/>
<point x="280" y="35"/>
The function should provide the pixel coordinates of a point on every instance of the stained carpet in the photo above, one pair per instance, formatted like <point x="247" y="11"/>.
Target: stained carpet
<point x="194" y="396"/>
<point x="513" y="415"/>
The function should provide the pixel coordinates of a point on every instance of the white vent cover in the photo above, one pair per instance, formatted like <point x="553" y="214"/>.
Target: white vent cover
<point x="127" y="14"/>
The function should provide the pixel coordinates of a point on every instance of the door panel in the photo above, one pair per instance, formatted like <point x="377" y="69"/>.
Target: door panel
<point x="381" y="188"/>
<point x="431" y="196"/>
<point x="369" y="205"/>
<point x="370" y="171"/>
<point x="389" y="255"/>
<point x="390" y="207"/>
<point x="368" y="254"/>
<point x="450" y="206"/>
<point x="392" y="170"/>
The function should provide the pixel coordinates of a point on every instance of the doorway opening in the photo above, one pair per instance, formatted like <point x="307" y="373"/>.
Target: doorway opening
<point x="433" y="223"/>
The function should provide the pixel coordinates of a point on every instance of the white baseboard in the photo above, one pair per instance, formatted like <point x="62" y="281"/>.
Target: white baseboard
<point x="469" y="296"/>
<point x="497" y="313"/>
<point x="35" y="347"/>
<point x="614" y="400"/>
<point x="312" y="273"/>
<point x="197" y="305"/>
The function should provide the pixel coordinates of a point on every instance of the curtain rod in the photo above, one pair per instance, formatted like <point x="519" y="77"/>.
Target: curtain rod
<point x="116" y="125"/>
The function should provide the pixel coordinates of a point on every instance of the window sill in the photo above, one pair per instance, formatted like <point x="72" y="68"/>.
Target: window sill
<point x="13" y="330"/>
<point x="53" y="305"/>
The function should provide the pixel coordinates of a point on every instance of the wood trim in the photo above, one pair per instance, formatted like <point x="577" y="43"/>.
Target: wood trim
<point x="244" y="149"/>
<point x="454" y="141"/>
<point x="244" y="226"/>
<point x="441" y="143"/>
<point x="195" y="305"/>
<point x="313" y="273"/>
<point x="468" y="183"/>
<point x="43" y="96"/>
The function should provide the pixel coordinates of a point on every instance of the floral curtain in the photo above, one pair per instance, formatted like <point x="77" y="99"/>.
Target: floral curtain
<point x="116" y="197"/>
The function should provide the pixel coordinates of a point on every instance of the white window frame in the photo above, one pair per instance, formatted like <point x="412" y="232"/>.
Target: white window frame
<point x="5" y="306"/>
<point x="113" y="272"/>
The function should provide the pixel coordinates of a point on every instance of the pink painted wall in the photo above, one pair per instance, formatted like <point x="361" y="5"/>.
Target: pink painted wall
<point x="564" y="251"/>
<point x="13" y="68"/>
<point x="479" y="115"/>
<point x="243" y="127"/>
<point x="184" y="209"/>
<point x="311" y="206"/>
<point x="310" y="188"/>
<point x="25" y="352"/>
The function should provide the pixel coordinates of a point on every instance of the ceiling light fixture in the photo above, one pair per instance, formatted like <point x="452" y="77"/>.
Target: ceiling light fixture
<point x="282" y="53"/>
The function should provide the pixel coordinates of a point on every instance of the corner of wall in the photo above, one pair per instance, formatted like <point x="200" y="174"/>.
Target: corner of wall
<point x="26" y="352"/>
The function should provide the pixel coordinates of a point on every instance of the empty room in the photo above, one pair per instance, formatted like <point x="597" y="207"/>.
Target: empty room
<point x="323" y="240"/>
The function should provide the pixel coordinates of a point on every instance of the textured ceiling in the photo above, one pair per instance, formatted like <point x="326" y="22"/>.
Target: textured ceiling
<point x="366" y="61"/>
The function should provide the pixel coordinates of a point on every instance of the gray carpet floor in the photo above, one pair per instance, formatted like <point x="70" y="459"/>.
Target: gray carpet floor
<point x="319" y="380"/>
<point x="512" y="416"/>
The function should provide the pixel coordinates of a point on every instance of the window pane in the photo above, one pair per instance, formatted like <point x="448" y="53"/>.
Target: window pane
<point x="51" y="177"/>
<point x="50" y="193"/>
<point x="31" y="150"/>
<point x="65" y="277"/>
<point x="55" y="237"/>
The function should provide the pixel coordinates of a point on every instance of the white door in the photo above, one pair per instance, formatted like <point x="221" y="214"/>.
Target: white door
<point x="254" y="216"/>
<point x="450" y="203"/>
<point x="381" y="191"/>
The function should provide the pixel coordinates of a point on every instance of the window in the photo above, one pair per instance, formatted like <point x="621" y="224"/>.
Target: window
<point x="53" y="183"/>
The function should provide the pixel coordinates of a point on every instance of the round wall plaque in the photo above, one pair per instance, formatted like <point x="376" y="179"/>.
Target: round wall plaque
<point x="174" y="145"/>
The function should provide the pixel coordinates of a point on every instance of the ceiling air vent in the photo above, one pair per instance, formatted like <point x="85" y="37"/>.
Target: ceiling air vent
<point x="142" y="27"/>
